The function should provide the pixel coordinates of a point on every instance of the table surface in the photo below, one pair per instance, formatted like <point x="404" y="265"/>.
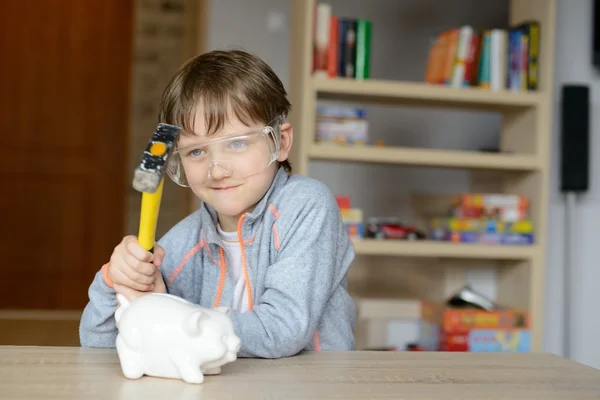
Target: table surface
<point x="76" y="373"/>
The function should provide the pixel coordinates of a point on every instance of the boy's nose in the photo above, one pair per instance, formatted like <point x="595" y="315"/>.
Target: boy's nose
<point x="217" y="172"/>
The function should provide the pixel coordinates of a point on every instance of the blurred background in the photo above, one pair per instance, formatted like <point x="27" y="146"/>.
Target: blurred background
<point x="81" y="81"/>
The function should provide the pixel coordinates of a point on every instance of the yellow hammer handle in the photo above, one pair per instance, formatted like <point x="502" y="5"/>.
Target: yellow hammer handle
<point x="149" y="217"/>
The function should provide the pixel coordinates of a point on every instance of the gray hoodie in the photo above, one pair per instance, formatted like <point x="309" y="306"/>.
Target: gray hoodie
<point x="295" y="255"/>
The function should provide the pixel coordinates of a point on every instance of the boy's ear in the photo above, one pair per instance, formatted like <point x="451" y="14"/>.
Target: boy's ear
<point x="285" y="145"/>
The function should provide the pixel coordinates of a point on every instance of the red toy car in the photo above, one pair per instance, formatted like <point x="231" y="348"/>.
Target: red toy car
<point x="391" y="228"/>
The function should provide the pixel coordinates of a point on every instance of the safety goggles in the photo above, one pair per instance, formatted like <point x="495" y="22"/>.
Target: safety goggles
<point x="236" y="157"/>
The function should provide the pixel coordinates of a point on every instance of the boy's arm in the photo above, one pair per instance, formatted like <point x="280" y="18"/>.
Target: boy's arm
<point x="97" y="327"/>
<point x="313" y="257"/>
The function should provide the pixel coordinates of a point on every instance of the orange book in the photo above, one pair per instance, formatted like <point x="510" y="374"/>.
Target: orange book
<point x="451" y="45"/>
<point x="436" y="61"/>
<point x="432" y="61"/>
<point x="332" y="51"/>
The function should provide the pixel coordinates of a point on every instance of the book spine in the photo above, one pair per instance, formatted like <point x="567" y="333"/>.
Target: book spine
<point x="498" y="58"/>
<point x="332" y="61"/>
<point x="432" y="60"/>
<point x="462" y="53"/>
<point x="484" y="63"/>
<point x="440" y="57"/>
<point x="524" y="61"/>
<point x="321" y="40"/>
<point x="514" y="46"/>
<point x="341" y="42"/>
<point x="531" y="30"/>
<point x="349" y="52"/>
<point x="471" y="62"/>
<point x="451" y="54"/>
<point x="363" y="49"/>
<point x="534" y="51"/>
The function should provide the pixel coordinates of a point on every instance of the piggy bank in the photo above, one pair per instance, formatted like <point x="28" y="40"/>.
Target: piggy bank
<point x="166" y="336"/>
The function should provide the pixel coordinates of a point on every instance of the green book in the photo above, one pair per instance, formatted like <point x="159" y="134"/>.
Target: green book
<point x="363" y="48"/>
<point x="485" y="61"/>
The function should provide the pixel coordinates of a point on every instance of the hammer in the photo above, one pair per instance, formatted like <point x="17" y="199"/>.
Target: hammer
<point x="148" y="179"/>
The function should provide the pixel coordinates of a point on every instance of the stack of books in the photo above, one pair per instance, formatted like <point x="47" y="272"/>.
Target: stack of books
<point x="341" y="46"/>
<point x="497" y="59"/>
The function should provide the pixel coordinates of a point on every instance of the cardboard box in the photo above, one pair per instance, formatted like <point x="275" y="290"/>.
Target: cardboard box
<point x="452" y="329"/>
<point x="353" y="221"/>
<point x="487" y="340"/>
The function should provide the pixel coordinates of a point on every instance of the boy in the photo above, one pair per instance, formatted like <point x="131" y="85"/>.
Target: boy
<point x="267" y="245"/>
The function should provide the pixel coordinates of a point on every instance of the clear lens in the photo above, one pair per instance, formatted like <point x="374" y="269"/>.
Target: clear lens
<point x="234" y="157"/>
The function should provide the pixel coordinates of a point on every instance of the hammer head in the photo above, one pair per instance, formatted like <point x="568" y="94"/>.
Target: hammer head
<point x="150" y="171"/>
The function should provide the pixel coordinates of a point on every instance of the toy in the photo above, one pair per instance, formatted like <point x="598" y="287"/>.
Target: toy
<point x="391" y="228"/>
<point x="163" y="335"/>
<point x="352" y="218"/>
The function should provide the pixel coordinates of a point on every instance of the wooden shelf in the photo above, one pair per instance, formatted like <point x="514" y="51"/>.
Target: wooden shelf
<point x="416" y="93"/>
<point x="432" y="249"/>
<point x="425" y="157"/>
<point x="388" y="308"/>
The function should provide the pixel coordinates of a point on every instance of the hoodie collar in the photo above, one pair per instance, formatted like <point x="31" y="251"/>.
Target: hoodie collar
<point x="207" y="213"/>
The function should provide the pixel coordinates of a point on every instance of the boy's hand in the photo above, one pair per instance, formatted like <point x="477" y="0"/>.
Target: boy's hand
<point x="134" y="267"/>
<point x="132" y="294"/>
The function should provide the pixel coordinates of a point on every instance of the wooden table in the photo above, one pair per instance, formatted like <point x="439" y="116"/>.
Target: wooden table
<point x="74" y="373"/>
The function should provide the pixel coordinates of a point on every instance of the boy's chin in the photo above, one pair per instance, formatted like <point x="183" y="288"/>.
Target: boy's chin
<point x="230" y="211"/>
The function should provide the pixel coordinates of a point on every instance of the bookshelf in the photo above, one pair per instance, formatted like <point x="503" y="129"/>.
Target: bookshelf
<point x="415" y="94"/>
<point x="520" y="167"/>
<point x="443" y="250"/>
<point x="425" y="157"/>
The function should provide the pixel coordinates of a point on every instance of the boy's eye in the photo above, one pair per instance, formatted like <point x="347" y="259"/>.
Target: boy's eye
<point x="238" y="144"/>
<point x="195" y="152"/>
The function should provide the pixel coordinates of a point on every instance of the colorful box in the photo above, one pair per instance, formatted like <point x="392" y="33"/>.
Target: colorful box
<point x="465" y="319"/>
<point x="351" y="217"/>
<point x="341" y="125"/>
<point x="488" y="340"/>
<point x="504" y="207"/>
<point x="482" y="230"/>
<point x="482" y="225"/>
<point x="474" y="330"/>
<point x="483" y="238"/>
<point x="353" y="221"/>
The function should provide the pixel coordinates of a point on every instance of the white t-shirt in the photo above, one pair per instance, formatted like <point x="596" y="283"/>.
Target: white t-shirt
<point x="233" y="257"/>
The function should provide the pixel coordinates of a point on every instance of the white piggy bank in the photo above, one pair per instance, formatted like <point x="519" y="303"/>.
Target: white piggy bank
<point x="166" y="336"/>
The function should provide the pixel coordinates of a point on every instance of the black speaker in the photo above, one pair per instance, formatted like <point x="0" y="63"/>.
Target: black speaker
<point x="596" y="33"/>
<point x="575" y="138"/>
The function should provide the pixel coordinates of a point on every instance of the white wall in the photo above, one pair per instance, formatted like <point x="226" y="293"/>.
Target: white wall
<point x="573" y="65"/>
<point x="257" y="26"/>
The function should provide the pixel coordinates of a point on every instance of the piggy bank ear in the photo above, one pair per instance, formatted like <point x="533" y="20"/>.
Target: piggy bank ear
<point x="192" y="325"/>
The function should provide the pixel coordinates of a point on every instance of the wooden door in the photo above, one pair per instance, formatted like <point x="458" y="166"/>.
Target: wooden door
<point x="64" y="113"/>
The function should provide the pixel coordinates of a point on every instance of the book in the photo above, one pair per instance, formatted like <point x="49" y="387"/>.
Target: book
<point x="363" y="49"/>
<point x="321" y="40"/>
<point x="347" y="47"/>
